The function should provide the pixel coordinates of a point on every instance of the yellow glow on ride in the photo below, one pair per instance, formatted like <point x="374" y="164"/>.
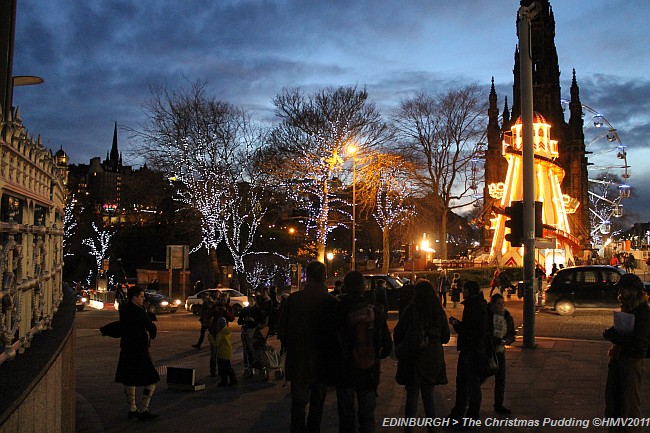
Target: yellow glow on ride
<point x="555" y="204"/>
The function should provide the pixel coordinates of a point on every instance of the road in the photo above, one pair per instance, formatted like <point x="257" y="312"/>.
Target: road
<point x="586" y="325"/>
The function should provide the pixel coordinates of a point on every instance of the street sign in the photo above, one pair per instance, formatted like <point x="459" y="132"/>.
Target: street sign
<point x="545" y="243"/>
<point x="177" y="256"/>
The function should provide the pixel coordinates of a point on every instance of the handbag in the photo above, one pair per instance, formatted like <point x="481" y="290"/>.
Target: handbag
<point x="113" y="329"/>
<point x="488" y="363"/>
<point x="415" y="340"/>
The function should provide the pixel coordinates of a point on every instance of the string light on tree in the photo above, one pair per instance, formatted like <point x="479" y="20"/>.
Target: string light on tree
<point x="98" y="245"/>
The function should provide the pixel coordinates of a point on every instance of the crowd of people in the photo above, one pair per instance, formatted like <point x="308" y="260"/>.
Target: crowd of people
<point x="624" y="260"/>
<point x="418" y="337"/>
<point x="339" y="339"/>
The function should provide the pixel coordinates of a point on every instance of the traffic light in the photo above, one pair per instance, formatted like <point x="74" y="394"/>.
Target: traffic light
<point x="515" y="223"/>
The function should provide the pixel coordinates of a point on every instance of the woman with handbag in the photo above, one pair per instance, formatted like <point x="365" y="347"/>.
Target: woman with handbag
<point x="419" y="335"/>
<point x="472" y="341"/>
<point x="455" y="289"/>
<point x="135" y="367"/>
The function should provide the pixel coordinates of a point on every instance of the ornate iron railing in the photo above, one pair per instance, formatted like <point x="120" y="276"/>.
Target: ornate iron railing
<point x="32" y="199"/>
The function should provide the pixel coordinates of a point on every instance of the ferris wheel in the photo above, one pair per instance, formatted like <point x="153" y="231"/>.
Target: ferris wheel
<point x="608" y="172"/>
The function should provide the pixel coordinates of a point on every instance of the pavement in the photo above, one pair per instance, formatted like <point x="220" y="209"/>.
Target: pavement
<point x="557" y="386"/>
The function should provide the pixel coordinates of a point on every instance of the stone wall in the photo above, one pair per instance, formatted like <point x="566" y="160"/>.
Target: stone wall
<point x="37" y="390"/>
<point x="37" y="378"/>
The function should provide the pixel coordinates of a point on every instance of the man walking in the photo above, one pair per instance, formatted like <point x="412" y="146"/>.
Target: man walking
<point x="309" y="339"/>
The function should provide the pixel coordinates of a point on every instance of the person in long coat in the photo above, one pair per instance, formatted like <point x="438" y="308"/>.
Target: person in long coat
<point x="135" y="367"/>
<point x="419" y="335"/>
<point x="456" y="289"/>
<point x="624" y="386"/>
<point x="309" y="340"/>
<point x="354" y="383"/>
<point x="472" y="332"/>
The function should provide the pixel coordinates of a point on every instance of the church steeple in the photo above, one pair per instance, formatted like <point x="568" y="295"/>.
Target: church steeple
<point x="575" y="107"/>
<point x="493" y="111"/>
<point x="547" y="100"/>
<point x="575" y="95"/>
<point x="516" y="92"/>
<point x="546" y="69"/>
<point x="115" y="155"/>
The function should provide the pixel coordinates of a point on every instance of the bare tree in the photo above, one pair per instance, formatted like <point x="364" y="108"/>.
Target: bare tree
<point x="98" y="245"/>
<point x="208" y="148"/>
<point x="439" y="135"/>
<point x="384" y="191"/>
<point x="309" y="147"/>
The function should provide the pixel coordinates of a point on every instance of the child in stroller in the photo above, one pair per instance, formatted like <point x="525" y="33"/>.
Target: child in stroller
<point x="258" y="355"/>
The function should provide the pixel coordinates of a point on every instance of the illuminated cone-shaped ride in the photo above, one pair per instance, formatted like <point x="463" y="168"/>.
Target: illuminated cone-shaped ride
<point x="555" y="205"/>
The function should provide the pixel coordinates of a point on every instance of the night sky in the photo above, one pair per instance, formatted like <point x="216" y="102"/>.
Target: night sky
<point x="98" y="59"/>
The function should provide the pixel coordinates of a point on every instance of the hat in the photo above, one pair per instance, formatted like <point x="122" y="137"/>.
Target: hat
<point x="630" y="281"/>
<point x="221" y="322"/>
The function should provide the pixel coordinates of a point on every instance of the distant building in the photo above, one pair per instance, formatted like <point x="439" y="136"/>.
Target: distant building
<point x="117" y="192"/>
<point x="101" y="182"/>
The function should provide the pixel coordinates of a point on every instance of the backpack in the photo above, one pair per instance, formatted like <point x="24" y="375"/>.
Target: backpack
<point x="362" y="333"/>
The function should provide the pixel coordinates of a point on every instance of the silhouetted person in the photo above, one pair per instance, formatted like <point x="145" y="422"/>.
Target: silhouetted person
<point x="135" y="367"/>
<point x="308" y="339"/>
<point x="502" y="330"/>
<point x="471" y="342"/>
<point x="627" y="356"/>
<point x="419" y="335"/>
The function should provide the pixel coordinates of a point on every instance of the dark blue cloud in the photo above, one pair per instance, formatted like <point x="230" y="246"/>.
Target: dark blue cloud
<point x="98" y="57"/>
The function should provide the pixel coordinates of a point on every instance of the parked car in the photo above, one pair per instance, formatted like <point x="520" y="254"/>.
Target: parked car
<point x="157" y="303"/>
<point x="393" y="287"/>
<point x="238" y="300"/>
<point x="589" y="286"/>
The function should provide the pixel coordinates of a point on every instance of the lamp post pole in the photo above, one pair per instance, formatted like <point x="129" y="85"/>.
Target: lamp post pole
<point x="526" y="15"/>
<point x="354" y="212"/>
<point x="352" y="150"/>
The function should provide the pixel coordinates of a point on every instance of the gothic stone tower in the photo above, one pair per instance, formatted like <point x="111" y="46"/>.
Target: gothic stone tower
<point x="547" y="101"/>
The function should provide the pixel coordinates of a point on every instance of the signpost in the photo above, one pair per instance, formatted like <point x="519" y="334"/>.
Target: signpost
<point x="177" y="258"/>
<point x="545" y="243"/>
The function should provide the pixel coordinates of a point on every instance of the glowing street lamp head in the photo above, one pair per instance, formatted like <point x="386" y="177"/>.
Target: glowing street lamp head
<point x="330" y="256"/>
<point x="351" y="149"/>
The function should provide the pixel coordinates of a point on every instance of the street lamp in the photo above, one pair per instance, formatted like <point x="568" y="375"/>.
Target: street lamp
<point x="352" y="150"/>
<point x="330" y="257"/>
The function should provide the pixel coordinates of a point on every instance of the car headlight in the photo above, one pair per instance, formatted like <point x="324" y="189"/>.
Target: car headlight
<point x="164" y="303"/>
<point x="177" y="302"/>
<point x="245" y="303"/>
<point x="84" y="300"/>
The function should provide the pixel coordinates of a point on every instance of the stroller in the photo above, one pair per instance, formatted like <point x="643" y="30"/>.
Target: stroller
<point x="258" y="355"/>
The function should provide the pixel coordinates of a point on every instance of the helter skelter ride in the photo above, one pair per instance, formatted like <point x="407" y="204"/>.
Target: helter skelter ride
<point x="606" y="189"/>
<point x="555" y="205"/>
